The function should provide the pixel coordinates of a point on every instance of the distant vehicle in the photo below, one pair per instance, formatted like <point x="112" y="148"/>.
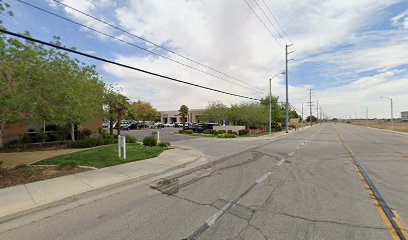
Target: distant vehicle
<point x="125" y="125"/>
<point x="158" y="125"/>
<point x="171" y="125"/>
<point x="134" y="126"/>
<point x="105" y="124"/>
<point x="200" y="127"/>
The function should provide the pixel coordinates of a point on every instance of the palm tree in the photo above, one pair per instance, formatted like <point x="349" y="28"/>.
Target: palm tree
<point x="183" y="112"/>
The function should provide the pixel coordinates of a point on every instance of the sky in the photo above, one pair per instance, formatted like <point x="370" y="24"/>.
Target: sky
<point x="350" y="52"/>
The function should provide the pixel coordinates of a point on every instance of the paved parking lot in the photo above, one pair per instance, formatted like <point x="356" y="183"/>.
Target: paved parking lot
<point x="168" y="134"/>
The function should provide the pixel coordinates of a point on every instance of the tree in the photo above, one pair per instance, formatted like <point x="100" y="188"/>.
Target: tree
<point x="143" y="111"/>
<point x="314" y="119"/>
<point x="215" y="112"/>
<point x="39" y="84"/>
<point x="116" y="106"/>
<point x="183" y="112"/>
<point x="293" y="114"/>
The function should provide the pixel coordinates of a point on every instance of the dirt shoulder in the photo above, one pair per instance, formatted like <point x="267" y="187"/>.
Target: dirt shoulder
<point x="28" y="174"/>
<point x="13" y="159"/>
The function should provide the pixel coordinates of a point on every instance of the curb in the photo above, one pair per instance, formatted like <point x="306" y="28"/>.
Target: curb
<point x="76" y="197"/>
<point x="94" y="191"/>
<point x="225" y="157"/>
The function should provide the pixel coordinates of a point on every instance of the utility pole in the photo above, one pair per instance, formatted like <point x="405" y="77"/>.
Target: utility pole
<point x="310" y="106"/>
<point x="392" y="109"/>
<point x="287" y="92"/>
<point x="366" y="108"/>
<point x="317" y="111"/>
<point x="270" y="106"/>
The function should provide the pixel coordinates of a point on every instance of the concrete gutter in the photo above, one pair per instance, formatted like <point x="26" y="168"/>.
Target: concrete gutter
<point x="23" y="199"/>
<point x="33" y="197"/>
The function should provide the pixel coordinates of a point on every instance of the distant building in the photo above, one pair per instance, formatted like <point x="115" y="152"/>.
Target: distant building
<point x="404" y="116"/>
<point x="174" y="116"/>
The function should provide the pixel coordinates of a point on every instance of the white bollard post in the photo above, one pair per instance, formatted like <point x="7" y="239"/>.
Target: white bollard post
<point x="119" y="143"/>
<point x="124" y="147"/>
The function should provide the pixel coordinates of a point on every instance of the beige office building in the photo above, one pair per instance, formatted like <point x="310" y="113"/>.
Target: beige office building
<point x="193" y="116"/>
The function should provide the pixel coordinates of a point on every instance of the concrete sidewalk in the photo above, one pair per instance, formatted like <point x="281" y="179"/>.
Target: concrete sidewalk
<point x="18" y="200"/>
<point x="21" y="199"/>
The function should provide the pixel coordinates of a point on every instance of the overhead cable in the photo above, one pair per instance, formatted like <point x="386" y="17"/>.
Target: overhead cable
<point x="120" y="64"/>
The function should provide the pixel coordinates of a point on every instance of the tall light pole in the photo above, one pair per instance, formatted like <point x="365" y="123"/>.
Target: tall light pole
<point x="287" y="93"/>
<point x="270" y="101"/>
<point x="392" y="108"/>
<point x="366" y="108"/>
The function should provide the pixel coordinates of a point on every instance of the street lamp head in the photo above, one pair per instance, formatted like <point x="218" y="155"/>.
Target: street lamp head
<point x="276" y="75"/>
<point x="385" y="97"/>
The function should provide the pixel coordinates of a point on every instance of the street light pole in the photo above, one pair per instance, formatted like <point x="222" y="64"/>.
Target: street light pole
<point x="270" y="106"/>
<point x="392" y="108"/>
<point x="366" y="108"/>
<point x="270" y="101"/>
<point x="287" y="92"/>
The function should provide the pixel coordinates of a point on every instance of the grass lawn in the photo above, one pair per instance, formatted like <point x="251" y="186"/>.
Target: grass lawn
<point x="104" y="156"/>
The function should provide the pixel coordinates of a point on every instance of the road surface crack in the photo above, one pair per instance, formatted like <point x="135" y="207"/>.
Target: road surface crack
<point x="327" y="221"/>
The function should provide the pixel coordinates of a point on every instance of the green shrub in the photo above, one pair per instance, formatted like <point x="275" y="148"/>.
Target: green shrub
<point x="60" y="135"/>
<point x="188" y="131"/>
<point x="67" y="164"/>
<point x="1" y="163"/>
<point x="42" y="136"/>
<point x="243" y="132"/>
<point x="130" y="139"/>
<point x="29" y="172"/>
<point x="26" y="139"/>
<point x="164" y="144"/>
<point x="229" y="131"/>
<point x="182" y="131"/>
<point x="85" y="143"/>
<point x="109" y="139"/>
<point x="227" y="135"/>
<point x="210" y="131"/>
<point x="86" y="132"/>
<point x="221" y="131"/>
<point x="150" y="141"/>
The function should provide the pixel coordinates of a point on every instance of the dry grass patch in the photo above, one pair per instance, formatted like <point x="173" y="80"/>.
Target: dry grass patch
<point x="396" y="126"/>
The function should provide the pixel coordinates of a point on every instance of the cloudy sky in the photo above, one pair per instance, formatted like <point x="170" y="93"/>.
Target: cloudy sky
<point x="349" y="52"/>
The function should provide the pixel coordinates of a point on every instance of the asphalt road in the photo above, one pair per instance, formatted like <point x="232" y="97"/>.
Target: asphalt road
<point x="303" y="186"/>
<point x="167" y="134"/>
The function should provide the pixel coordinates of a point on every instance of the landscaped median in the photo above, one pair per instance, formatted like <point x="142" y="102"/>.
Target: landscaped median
<point x="26" y="167"/>
<point x="103" y="156"/>
<point x="21" y="199"/>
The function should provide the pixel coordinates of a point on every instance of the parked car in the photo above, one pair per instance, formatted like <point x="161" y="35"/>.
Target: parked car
<point x="158" y="125"/>
<point x="134" y="126"/>
<point x="105" y="124"/>
<point x="125" y="125"/>
<point x="200" y="127"/>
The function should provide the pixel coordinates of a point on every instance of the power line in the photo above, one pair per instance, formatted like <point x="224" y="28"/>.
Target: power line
<point x="152" y="43"/>
<point x="134" y="45"/>
<point x="276" y="20"/>
<point x="277" y="31"/>
<point x="120" y="64"/>
<point x="298" y="72"/>
<point x="253" y="11"/>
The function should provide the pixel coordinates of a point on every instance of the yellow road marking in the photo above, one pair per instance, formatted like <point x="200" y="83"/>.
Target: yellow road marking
<point x="397" y="219"/>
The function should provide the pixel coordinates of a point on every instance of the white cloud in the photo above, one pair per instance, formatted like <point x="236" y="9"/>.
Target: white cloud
<point x="227" y="36"/>
<point x="401" y="20"/>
